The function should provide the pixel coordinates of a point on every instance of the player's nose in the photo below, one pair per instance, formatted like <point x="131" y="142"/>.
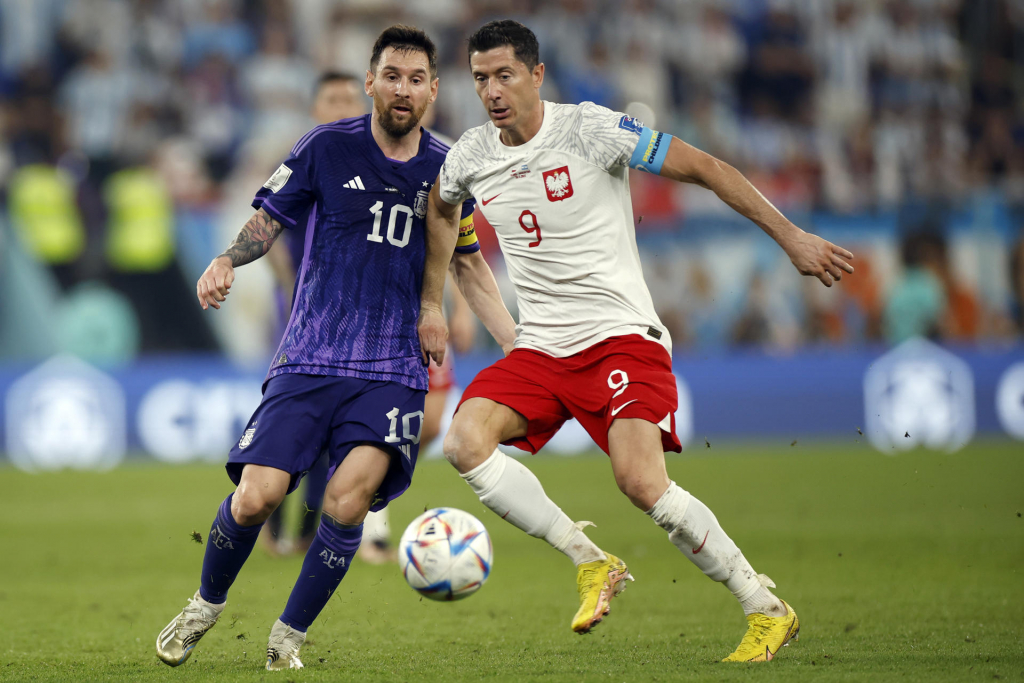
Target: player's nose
<point x="404" y="88"/>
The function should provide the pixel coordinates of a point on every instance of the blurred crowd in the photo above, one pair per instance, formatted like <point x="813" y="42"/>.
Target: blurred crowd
<point x="133" y="133"/>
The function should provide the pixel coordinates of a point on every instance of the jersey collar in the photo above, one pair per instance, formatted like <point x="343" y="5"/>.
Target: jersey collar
<point x="531" y="144"/>
<point x="381" y="163"/>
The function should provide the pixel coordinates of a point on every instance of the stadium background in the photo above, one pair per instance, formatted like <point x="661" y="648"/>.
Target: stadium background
<point x="134" y="133"/>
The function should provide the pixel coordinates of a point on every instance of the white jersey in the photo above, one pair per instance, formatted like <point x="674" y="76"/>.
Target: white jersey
<point x="560" y="206"/>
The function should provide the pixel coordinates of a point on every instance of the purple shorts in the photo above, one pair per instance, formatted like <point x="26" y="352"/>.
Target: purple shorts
<point x="302" y="415"/>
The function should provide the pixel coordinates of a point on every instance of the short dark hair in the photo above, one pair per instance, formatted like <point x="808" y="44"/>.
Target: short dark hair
<point x="503" y="32"/>
<point x="404" y="38"/>
<point x="333" y="76"/>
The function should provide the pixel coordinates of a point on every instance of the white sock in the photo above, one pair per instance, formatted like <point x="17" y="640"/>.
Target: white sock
<point x="695" y="530"/>
<point x="508" y="488"/>
<point x="375" y="527"/>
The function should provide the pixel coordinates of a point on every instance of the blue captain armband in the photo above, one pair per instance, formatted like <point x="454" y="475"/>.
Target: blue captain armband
<point x="651" y="151"/>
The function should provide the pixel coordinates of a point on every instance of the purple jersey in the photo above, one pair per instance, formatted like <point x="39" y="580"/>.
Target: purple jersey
<point x="357" y="297"/>
<point x="296" y="242"/>
<point x="293" y="241"/>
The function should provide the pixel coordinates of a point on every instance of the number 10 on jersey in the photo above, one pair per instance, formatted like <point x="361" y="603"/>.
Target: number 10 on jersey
<point x="378" y="214"/>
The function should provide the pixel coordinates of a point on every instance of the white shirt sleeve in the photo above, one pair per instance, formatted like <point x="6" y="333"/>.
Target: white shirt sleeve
<point x="454" y="174"/>
<point x="608" y="137"/>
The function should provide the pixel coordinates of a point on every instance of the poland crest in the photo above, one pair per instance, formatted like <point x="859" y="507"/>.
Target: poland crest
<point x="558" y="184"/>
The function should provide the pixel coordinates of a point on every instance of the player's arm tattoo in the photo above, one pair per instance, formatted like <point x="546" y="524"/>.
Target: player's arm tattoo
<point x="254" y="239"/>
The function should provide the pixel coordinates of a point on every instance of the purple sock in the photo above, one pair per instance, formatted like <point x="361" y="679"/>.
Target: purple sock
<point x="227" y="549"/>
<point x="326" y="563"/>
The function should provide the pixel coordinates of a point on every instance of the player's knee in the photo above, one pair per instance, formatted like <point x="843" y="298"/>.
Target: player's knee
<point x="453" y="447"/>
<point x="350" y="504"/>
<point x="250" y="506"/>
<point x="464" y="448"/>
<point x="641" y="492"/>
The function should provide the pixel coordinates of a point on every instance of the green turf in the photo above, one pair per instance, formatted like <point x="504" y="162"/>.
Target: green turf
<point x="901" y="568"/>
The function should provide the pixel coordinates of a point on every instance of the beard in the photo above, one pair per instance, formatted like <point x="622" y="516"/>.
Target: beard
<point x="392" y="126"/>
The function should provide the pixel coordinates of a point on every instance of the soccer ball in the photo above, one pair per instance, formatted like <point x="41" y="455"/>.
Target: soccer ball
<point x="445" y="554"/>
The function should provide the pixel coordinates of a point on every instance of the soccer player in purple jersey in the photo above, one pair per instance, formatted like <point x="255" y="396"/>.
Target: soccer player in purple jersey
<point x="349" y="374"/>
<point x="336" y="96"/>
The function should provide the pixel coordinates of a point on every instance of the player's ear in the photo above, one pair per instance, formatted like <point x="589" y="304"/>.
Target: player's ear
<point x="368" y="85"/>
<point x="538" y="75"/>
<point x="433" y="89"/>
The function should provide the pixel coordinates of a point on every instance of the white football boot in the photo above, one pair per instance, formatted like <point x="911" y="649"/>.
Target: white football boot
<point x="283" y="648"/>
<point x="175" y="643"/>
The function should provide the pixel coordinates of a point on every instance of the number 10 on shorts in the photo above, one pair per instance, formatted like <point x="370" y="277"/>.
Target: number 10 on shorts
<point x="407" y="433"/>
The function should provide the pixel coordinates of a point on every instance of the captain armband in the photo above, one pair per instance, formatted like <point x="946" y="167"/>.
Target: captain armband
<point x="467" y="243"/>
<point x="651" y="151"/>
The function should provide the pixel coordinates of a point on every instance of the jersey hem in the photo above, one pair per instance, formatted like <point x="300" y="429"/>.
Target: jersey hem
<point x="641" y="330"/>
<point x="274" y="213"/>
<point x="326" y="371"/>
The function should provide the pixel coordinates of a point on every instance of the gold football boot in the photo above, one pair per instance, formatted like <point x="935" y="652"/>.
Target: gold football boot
<point x="175" y="643"/>
<point x="283" y="648"/>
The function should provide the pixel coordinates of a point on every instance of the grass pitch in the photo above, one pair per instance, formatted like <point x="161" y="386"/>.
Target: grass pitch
<point x="906" y="567"/>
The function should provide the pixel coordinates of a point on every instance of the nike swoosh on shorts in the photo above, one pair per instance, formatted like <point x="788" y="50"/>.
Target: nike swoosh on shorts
<point x="615" y="411"/>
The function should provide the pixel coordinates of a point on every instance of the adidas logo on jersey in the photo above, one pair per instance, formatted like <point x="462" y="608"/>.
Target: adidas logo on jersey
<point x="355" y="184"/>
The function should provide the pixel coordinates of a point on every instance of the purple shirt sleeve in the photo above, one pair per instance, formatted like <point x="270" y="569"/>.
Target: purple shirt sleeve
<point x="288" y="194"/>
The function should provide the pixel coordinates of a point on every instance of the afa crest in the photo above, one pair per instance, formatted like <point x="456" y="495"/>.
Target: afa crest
<point x="419" y="205"/>
<point x="247" y="437"/>
<point x="558" y="184"/>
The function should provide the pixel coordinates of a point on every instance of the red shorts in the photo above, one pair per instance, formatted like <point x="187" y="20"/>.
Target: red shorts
<point x="441" y="377"/>
<point x="619" y="377"/>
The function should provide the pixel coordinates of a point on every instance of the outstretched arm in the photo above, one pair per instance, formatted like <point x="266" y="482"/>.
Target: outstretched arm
<point x="477" y="284"/>
<point x="809" y="253"/>
<point x="253" y="241"/>
<point x="442" y="235"/>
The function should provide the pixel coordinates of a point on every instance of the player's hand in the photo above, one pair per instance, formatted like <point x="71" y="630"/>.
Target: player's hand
<point x="213" y="286"/>
<point x="433" y="333"/>
<point x="816" y="257"/>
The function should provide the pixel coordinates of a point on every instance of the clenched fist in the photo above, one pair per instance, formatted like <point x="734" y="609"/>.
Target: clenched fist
<point x="213" y="286"/>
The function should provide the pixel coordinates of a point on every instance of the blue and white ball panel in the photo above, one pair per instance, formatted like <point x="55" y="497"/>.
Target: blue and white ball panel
<point x="445" y="554"/>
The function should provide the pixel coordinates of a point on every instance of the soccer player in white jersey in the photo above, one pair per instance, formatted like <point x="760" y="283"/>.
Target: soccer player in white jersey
<point x="553" y="181"/>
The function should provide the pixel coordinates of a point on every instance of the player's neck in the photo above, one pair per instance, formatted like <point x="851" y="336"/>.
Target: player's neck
<point x="524" y="131"/>
<point x="398" y="148"/>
